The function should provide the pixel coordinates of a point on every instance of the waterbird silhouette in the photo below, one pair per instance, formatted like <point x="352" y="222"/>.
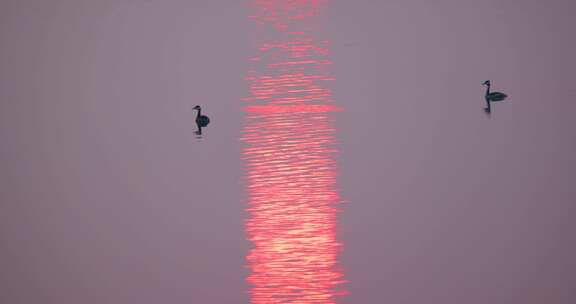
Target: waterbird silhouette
<point x="201" y="120"/>
<point x="492" y="96"/>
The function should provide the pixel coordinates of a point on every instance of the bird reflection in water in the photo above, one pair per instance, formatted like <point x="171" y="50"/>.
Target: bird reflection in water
<point x="290" y="162"/>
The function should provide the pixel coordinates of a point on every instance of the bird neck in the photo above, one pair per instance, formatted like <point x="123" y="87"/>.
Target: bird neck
<point x="198" y="114"/>
<point x="487" y="89"/>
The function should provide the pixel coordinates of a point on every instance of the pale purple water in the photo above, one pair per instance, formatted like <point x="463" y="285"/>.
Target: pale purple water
<point x="107" y="196"/>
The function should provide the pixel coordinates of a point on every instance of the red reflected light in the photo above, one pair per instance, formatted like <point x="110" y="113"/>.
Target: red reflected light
<point x="290" y="162"/>
<point x="291" y="185"/>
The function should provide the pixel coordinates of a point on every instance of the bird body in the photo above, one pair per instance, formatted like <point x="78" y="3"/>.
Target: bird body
<point x="202" y="120"/>
<point x="496" y="96"/>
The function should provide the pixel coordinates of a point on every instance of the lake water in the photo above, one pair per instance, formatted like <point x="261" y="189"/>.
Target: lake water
<point x="348" y="158"/>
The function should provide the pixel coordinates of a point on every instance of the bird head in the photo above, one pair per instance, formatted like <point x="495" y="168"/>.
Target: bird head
<point x="196" y="108"/>
<point x="486" y="83"/>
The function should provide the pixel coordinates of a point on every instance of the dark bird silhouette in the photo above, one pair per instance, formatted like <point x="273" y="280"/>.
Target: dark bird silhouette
<point x="201" y="120"/>
<point x="492" y="96"/>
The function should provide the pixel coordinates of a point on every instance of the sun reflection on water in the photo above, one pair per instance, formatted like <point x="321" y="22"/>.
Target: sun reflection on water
<point x="289" y="154"/>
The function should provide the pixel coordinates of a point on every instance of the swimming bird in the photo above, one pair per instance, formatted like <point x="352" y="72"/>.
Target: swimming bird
<point x="201" y="120"/>
<point x="492" y="96"/>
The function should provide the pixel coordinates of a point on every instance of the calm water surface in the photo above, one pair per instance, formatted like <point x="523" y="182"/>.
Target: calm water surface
<point x="348" y="159"/>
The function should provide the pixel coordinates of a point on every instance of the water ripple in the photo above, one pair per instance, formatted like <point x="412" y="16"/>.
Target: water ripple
<point x="289" y="153"/>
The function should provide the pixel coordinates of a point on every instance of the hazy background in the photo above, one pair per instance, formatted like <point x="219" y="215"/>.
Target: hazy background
<point x="107" y="196"/>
